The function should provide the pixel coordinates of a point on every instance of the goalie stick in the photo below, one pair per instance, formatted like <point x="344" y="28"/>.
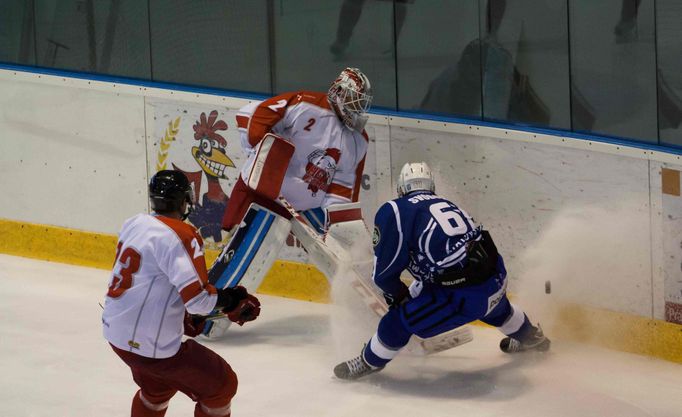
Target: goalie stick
<point x="332" y="258"/>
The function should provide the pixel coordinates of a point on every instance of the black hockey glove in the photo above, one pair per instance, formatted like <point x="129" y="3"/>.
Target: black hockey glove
<point x="238" y="304"/>
<point x="395" y="300"/>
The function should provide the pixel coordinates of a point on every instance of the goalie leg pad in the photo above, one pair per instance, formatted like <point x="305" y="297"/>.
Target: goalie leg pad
<point x="341" y="213"/>
<point x="216" y="328"/>
<point x="251" y="251"/>
<point x="347" y="228"/>
<point x="247" y="257"/>
<point x="316" y="218"/>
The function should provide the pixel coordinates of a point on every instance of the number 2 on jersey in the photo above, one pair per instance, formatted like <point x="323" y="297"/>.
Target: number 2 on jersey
<point x="197" y="248"/>
<point x="122" y="280"/>
<point x="279" y="105"/>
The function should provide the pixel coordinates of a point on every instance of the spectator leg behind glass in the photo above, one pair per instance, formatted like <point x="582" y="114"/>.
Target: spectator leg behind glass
<point x="626" y="29"/>
<point x="348" y="19"/>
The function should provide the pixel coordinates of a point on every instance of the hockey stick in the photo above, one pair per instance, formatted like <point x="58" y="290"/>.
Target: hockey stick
<point x="213" y="316"/>
<point x="435" y="344"/>
<point x="332" y="259"/>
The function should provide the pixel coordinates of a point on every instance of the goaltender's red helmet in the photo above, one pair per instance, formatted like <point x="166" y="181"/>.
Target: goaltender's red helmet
<point x="350" y="95"/>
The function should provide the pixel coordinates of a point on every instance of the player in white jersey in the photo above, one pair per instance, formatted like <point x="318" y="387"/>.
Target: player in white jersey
<point x="307" y="147"/>
<point x="159" y="290"/>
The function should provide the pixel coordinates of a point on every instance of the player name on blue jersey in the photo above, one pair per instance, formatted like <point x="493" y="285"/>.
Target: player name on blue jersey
<point x="423" y="233"/>
<point x="422" y="197"/>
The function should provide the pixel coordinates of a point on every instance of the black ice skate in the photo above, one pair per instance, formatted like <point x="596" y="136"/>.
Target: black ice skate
<point x="537" y="341"/>
<point x="355" y="368"/>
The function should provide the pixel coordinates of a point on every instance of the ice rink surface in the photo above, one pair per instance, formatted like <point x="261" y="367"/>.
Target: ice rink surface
<point x="55" y="362"/>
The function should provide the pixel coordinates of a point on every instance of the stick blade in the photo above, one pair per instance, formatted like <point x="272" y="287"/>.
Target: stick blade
<point x="444" y="341"/>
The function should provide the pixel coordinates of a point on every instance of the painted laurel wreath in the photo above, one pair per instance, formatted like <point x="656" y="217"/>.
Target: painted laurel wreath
<point x="165" y="144"/>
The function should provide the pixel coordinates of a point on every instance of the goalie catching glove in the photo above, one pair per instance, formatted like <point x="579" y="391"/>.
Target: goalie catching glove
<point x="238" y="304"/>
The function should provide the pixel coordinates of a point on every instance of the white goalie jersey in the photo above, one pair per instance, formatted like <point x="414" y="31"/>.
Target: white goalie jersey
<point x="327" y="164"/>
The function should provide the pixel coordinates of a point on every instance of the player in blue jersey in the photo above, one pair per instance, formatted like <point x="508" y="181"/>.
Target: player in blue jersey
<point x="459" y="276"/>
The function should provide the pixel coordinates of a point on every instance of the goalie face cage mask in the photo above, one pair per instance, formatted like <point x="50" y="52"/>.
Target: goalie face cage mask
<point x="351" y="96"/>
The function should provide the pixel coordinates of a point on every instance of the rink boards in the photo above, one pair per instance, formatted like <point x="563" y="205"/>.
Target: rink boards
<point x="601" y="221"/>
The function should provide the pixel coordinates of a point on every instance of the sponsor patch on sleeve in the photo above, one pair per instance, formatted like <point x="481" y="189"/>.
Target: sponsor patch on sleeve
<point x="376" y="236"/>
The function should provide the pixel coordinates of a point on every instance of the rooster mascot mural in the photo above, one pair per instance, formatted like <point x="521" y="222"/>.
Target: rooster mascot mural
<point x="211" y="156"/>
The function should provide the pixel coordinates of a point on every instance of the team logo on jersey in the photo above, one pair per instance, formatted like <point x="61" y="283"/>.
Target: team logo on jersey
<point x="376" y="236"/>
<point x="320" y="169"/>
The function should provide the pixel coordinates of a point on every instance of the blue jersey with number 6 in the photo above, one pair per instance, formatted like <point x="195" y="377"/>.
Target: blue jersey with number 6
<point x="420" y="232"/>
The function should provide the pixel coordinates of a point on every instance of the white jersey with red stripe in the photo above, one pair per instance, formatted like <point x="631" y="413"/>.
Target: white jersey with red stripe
<point x="327" y="164"/>
<point x="159" y="272"/>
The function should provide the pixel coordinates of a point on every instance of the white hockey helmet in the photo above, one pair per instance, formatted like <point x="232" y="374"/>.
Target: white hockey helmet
<point x="350" y="95"/>
<point x="415" y="176"/>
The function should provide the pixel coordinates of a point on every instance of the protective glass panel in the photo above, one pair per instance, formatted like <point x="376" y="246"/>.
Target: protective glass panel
<point x="100" y="36"/>
<point x="439" y="69"/>
<point x="16" y="32"/>
<point x="524" y="52"/>
<point x="314" y="40"/>
<point x="669" y="40"/>
<point x="613" y="67"/>
<point x="211" y="43"/>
